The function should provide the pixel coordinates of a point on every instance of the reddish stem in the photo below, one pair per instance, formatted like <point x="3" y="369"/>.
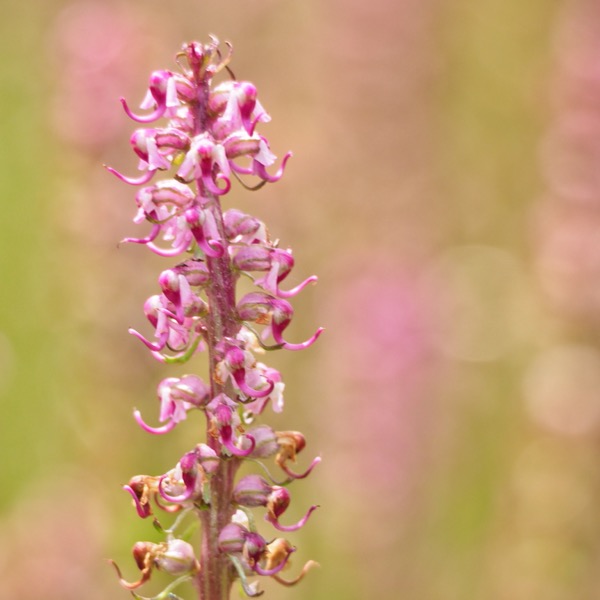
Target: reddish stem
<point x="216" y="573"/>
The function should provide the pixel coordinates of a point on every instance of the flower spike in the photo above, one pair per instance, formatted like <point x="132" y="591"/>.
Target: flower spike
<point x="209" y="141"/>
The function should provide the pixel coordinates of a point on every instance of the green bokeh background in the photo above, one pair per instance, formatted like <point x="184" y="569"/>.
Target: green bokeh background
<point x="420" y="193"/>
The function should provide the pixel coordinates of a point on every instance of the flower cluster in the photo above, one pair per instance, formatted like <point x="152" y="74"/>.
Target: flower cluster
<point x="208" y="136"/>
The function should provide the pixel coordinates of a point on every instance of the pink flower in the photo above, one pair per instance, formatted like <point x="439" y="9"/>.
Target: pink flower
<point x="177" y="396"/>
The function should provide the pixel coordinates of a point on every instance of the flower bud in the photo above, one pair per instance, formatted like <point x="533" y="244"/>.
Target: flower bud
<point x="177" y="559"/>
<point x="240" y="226"/>
<point x="255" y="307"/>
<point x="252" y="490"/>
<point x="194" y="270"/>
<point x="232" y="538"/>
<point x="266" y="442"/>
<point x="190" y="388"/>
<point x="252" y="258"/>
<point x="207" y="458"/>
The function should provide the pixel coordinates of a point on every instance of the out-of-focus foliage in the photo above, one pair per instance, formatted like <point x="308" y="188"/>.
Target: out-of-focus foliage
<point x="444" y="188"/>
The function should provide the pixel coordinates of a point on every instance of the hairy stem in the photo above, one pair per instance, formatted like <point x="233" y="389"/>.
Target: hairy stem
<point x="216" y="572"/>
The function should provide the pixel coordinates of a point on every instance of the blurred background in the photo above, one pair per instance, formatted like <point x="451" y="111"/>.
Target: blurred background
<point x="445" y="187"/>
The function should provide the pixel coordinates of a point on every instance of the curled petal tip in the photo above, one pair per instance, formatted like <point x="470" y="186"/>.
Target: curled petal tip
<point x="142" y="510"/>
<point x="213" y="186"/>
<point x="238" y="451"/>
<point x="156" y="114"/>
<point x="289" y="582"/>
<point x="145" y="178"/>
<point x="212" y="248"/>
<point x="270" y="572"/>
<point x="169" y="252"/>
<point x="250" y="391"/>
<point x="189" y="490"/>
<point x="297" y="289"/>
<point x="306" y="473"/>
<point x="125" y="584"/>
<point x="145" y="240"/>
<point x="155" y="430"/>
<point x="263" y="174"/>
<point x="150" y="345"/>
<point x="296" y="526"/>
<point x="309" y="342"/>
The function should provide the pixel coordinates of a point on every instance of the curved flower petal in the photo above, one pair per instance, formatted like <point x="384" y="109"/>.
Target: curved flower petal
<point x="213" y="188"/>
<point x="275" y="522"/>
<point x="212" y="248"/>
<point x="153" y="116"/>
<point x="259" y="169"/>
<point x="143" y="510"/>
<point x="306" y="473"/>
<point x="145" y="178"/>
<point x="125" y="584"/>
<point x="228" y="443"/>
<point x="169" y="426"/>
<point x="154" y="346"/>
<point x="169" y="252"/>
<point x="269" y="572"/>
<point x="289" y="582"/>
<point x="277" y="331"/>
<point x="295" y="290"/>
<point x="239" y="375"/>
<point x="187" y="494"/>
<point x="149" y="238"/>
